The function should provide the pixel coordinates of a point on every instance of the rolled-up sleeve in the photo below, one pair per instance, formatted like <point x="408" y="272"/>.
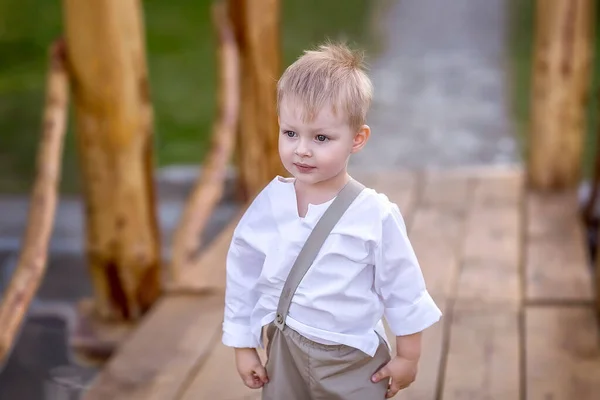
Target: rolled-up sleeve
<point x="408" y="306"/>
<point x="244" y="265"/>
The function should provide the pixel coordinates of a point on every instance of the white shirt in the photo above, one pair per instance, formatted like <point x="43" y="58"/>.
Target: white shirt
<point x="365" y="270"/>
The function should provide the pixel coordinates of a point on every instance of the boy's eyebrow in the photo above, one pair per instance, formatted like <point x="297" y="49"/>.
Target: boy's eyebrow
<point x="323" y="129"/>
<point x="286" y="125"/>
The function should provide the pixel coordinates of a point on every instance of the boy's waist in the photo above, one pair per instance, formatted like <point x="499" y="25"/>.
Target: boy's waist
<point x="366" y="340"/>
<point x="317" y="343"/>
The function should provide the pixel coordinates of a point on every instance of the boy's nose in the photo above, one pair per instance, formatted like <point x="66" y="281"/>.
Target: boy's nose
<point x="302" y="150"/>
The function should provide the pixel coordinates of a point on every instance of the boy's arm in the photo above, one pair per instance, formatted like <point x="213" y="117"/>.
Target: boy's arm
<point x="409" y="346"/>
<point x="408" y="307"/>
<point x="244" y="263"/>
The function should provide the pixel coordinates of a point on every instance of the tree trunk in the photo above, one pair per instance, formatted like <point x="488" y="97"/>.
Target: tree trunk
<point x="561" y="78"/>
<point x="256" y="26"/>
<point x="106" y="53"/>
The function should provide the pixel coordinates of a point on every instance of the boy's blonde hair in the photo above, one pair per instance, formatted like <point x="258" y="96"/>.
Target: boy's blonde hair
<point x="332" y="75"/>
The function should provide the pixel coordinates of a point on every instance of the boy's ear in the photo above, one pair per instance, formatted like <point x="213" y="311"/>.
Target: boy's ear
<point x="360" y="138"/>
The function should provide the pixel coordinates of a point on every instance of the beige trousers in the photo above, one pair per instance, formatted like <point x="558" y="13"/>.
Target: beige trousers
<point x="300" y="369"/>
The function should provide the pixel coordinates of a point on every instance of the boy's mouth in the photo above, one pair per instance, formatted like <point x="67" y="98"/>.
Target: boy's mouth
<point x="304" y="167"/>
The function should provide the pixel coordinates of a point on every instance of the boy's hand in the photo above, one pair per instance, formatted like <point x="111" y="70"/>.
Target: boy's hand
<point x="250" y="368"/>
<point x="402" y="372"/>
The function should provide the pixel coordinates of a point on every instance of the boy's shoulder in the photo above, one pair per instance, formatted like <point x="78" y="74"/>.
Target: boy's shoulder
<point x="376" y="203"/>
<point x="258" y="208"/>
<point x="268" y="189"/>
<point x="264" y="202"/>
<point x="274" y="188"/>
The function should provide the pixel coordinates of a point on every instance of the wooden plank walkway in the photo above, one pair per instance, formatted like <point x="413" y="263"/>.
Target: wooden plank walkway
<point x="507" y="267"/>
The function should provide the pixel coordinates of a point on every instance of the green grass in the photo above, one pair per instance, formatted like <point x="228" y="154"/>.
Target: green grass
<point x="521" y="50"/>
<point x="181" y="58"/>
<point x="521" y="36"/>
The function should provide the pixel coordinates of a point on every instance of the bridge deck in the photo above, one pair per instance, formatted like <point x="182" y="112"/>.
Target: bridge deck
<point x="508" y="268"/>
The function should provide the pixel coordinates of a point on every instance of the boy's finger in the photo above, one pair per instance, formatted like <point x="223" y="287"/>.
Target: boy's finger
<point x="394" y="388"/>
<point x="251" y="381"/>
<point x="391" y="392"/>
<point x="381" y="374"/>
<point x="261" y="372"/>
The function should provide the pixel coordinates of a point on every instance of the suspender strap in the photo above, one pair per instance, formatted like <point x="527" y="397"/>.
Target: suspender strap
<point x="312" y="246"/>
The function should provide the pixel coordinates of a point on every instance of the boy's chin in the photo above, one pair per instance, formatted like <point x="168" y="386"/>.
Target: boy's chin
<point x="308" y="179"/>
<point x="312" y="179"/>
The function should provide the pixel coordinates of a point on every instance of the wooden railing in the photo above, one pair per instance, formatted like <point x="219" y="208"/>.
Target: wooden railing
<point x="42" y="207"/>
<point x="206" y="193"/>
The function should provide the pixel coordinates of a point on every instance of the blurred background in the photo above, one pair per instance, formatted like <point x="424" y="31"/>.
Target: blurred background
<point x="181" y="55"/>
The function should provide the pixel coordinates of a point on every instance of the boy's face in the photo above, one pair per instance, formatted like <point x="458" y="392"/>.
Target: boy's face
<point x="317" y="151"/>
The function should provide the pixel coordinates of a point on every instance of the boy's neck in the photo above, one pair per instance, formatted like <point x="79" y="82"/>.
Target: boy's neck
<point x="323" y="191"/>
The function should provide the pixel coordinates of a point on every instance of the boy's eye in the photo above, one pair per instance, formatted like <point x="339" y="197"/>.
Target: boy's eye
<point x="321" y="138"/>
<point x="290" y="133"/>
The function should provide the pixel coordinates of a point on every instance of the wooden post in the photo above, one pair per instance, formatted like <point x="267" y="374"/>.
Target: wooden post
<point x="592" y="221"/>
<point x="597" y="283"/>
<point x="256" y="26"/>
<point x="106" y="54"/>
<point x="34" y="250"/>
<point x="561" y="78"/>
<point x="208" y="190"/>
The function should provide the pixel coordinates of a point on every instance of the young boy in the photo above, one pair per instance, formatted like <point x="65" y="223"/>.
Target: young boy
<point x="331" y="343"/>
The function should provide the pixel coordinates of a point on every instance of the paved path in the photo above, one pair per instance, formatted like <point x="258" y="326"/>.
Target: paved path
<point x="441" y="96"/>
